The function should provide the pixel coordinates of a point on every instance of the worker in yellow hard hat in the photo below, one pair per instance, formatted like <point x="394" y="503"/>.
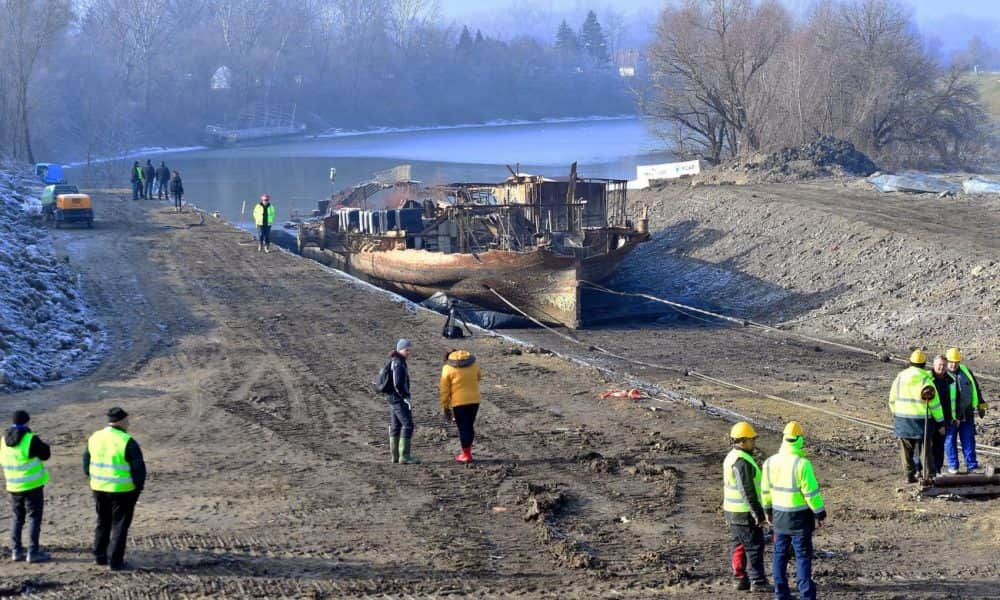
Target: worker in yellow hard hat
<point x="914" y="404"/>
<point x="794" y="506"/>
<point x="741" y="505"/>
<point x="966" y="400"/>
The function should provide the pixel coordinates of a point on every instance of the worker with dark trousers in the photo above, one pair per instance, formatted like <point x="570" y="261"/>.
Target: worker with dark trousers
<point x="914" y="404"/>
<point x="967" y="400"/>
<point x="23" y="454"/>
<point x="794" y="506"/>
<point x="460" y="397"/>
<point x="113" y="462"/>
<point x="149" y="176"/>
<point x="741" y="505"/>
<point x="945" y="385"/>
<point x="263" y="216"/>
<point x="400" y="405"/>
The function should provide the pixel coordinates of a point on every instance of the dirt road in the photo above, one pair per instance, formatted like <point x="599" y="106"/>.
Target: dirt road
<point x="246" y="376"/>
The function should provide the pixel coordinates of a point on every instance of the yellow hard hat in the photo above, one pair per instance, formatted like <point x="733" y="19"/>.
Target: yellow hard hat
<point x="918" y="357"/>
<point x="793" y="430"/>
<point x="742" y="430"/>
<point x="953" y="355"/>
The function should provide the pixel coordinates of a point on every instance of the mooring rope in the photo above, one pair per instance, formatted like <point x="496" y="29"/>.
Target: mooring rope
<point x="982" y="449"/>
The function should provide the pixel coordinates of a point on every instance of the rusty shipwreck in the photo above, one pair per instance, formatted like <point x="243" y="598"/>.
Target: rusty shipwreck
<point x="520" y="246"/>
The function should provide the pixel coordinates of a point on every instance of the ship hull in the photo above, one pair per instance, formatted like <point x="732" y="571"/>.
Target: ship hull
<point x="541" y="284"/>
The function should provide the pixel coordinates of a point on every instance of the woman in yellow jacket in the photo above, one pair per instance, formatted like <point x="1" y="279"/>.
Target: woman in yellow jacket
<point x="460" y="397"/>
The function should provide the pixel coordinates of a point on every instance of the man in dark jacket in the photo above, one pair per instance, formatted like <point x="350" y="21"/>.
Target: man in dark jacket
<point x="22" y="454"/>
<point x="177" y="191"/>
<point x="944" y="384"/>
<point x="149" y="175"/>
<point x="741" y="505"/>
<point x="162" y="179"/>
<point x="137" y="186"/>
<point x="401" y="424"/>
<point x="113" y="463"/>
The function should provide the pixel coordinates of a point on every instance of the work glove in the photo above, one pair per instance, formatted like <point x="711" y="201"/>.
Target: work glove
<point x="982" y="410"/>
<point x="941" y="430"/>
<point x="448" y="416"/>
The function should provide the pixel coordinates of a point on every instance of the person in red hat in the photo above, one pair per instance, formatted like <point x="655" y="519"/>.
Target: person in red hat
<point x="263" y="216"/>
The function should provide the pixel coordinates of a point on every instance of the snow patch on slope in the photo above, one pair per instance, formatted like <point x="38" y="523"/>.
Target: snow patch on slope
<point x="47" y="332"/>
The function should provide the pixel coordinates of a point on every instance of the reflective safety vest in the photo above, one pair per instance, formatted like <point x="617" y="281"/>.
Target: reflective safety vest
<point x="789" y="484"/>
<point x="22" y="473"/>
<point x="260" y="218"/>
<point x="975" y="388"/>
<point x="907" y="408"/>
<point x="109" y="471"/>
<point x="732" y="498"/>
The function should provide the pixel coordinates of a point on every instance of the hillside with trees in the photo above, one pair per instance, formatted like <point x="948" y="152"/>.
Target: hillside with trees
<point x="93" y="79"/>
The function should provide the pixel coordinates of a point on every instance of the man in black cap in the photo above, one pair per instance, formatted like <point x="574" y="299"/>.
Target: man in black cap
<point x="22" y="453"/>
<point x="113" y="462"/>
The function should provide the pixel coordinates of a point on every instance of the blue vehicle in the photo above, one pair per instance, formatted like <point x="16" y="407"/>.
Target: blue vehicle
<point x="50" y="173"/>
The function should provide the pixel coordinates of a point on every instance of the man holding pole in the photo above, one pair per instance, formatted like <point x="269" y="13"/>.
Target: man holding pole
<point x="913" y="402"/>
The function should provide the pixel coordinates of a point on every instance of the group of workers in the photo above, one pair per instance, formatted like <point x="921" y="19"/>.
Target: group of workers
<point x="782" y="493"/>
<point x="933" y="411"/>
<point x="148" y="180"/>
<point x="113" y="463"/>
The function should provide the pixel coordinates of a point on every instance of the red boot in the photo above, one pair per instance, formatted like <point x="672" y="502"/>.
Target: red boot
<point x="465" y="456"/>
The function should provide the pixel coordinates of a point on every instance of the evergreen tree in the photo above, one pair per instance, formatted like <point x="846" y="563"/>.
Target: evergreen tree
<point x="465" y="42"/>
<point x="593" y="41"/>
<point x="479" y="38"/>
<point x="566" y="40"/>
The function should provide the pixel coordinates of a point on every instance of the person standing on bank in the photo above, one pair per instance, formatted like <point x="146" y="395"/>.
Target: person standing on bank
<point x="741" y="505"/>
<point x="137" y="186"/>
<point x="968" y="400"/>
<point x="162" y="181"/>
<point x="795" y="508"/>
<point x="113" y="462"/>
<point x="149" y="176"/>
<point x="177" y="191"/>
<point x="22" y="454"/>
<point x="401" y="424"/>
<point x="460" y="397"/>
<point x="263" y="216"/>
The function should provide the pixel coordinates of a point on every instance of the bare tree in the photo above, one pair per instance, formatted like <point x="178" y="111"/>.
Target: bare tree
<point x="406" y="17"/>
<point x="31" y="28"/>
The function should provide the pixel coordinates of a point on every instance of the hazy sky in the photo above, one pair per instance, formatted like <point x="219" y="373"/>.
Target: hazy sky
<point x="925" y="9"/>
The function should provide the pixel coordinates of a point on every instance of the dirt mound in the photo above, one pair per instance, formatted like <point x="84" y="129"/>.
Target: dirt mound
<point x="823" y="157"/>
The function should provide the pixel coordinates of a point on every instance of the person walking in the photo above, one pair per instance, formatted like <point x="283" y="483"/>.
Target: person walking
<point x="966" y="402"/>
<point x="177" y="191"/>
<point x="913" y="403"/>
<point x="23" y="454"/>
<point x="794" y="506"/>
<point x="460" y="397"/>
<point x="945" y="385"/>
<point x="400" y="405"/>
<point x="162" y="181"/>
<point x="741" y="505"/>
<point x="149" y="176"/>
<point x="137" y="185"/>
<point x="113" y="462"/>
<point x="263" y="216"/>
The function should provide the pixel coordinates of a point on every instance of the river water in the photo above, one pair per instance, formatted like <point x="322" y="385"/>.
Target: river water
<point x="296" y="173"/>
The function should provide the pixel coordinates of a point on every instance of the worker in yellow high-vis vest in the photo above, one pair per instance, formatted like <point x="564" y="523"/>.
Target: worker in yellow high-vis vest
<point x="113" y="463"/>
<point x="966" y="400"/>
<point x="794" y="506"/>
<point x="23" y="454"/>
<point x="916" y="411"/>
<point x="741" y="505"/>
<point x="263" y="218"/>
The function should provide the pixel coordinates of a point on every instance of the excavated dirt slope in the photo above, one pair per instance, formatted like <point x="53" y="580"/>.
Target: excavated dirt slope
<point x="246" y="376"/>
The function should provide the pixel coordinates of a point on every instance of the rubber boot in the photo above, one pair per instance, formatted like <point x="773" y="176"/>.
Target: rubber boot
<point x="404" y="452"/>
<point x="465" y="456"/>
<point x="394" y="448"/>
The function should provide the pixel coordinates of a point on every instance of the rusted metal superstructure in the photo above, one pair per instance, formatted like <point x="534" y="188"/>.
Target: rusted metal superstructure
<point x="527" y="241"/>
